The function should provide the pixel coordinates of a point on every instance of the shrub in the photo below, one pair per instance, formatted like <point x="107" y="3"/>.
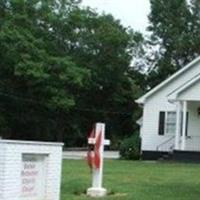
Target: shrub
<point x="130" y="148"/>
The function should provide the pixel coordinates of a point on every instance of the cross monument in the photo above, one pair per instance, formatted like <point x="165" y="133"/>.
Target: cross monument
<point x="96" y="143"/>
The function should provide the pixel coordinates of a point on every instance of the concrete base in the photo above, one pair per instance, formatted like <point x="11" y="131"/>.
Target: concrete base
<point x="96" y="192"/>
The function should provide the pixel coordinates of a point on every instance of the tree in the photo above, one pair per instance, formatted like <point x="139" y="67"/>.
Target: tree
<point x="34" y="75"/>
<point x="106" y="47"/>
<point x="174" y="25"/>
<point x="63" y="68"/>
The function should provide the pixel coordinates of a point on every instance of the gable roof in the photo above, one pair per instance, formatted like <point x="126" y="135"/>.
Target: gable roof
<point x="174" y="94"/>
<point x="143" y="98"/>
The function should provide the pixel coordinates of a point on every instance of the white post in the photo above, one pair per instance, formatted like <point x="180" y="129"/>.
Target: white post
<point x="97" y="173"/>
<point x="178" y="125"/>
<point x="184" y="125"/>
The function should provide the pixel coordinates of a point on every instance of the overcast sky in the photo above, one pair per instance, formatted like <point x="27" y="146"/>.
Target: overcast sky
<point x="131" y="12"/>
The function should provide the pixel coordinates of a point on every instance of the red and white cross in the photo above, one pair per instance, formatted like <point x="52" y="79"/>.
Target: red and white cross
<point x="95" y="159"/>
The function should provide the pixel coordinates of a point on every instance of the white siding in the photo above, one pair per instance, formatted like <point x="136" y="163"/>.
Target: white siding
<point x="158" y="102"/>
<point x="193" y="144"/>
<point x="1" y="170"/>
<point x="151" y="139"/>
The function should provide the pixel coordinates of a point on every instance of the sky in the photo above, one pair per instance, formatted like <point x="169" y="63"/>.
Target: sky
<point x="133" y="13"/>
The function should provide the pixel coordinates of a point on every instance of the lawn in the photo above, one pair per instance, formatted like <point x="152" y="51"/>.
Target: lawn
<point x="128" y="180"/>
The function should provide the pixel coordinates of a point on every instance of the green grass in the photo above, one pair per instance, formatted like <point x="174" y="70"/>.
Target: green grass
<point x="128" y="180"/>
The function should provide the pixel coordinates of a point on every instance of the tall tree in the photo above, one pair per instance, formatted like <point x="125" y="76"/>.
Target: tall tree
<point x="105" y="47"/>
<point x="62" y="68"/>
<point x="35" y="77"/>
<point x="174" y="25"/>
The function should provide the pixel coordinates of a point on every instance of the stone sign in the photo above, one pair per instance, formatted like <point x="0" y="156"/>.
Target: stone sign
<point x="30" y="170"/>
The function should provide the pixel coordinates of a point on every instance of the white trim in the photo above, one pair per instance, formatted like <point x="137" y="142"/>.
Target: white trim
<point x="143" y="98"/>
<point x="174" y="95"/>
<point x="178" y="124"/>
<point x="184" y="125"/>
<point x="30" y="142"/>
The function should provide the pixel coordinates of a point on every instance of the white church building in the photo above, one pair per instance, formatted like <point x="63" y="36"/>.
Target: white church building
<point x="170" y="124"/>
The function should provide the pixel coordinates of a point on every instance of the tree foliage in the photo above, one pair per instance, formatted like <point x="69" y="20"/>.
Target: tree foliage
<point x="63" y="68"/>
<point x="175" y="27"/>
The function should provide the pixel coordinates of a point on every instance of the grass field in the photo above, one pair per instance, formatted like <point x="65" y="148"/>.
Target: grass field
<point x="127" y="180"/>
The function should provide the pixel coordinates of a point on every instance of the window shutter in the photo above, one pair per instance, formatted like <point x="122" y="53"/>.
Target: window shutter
<point x="181" y="123"/>
<point x="161" y="130"/>
<point x="187" y="117"/>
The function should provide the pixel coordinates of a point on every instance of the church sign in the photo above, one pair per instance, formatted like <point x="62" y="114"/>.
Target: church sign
<point x="30" y="170"/>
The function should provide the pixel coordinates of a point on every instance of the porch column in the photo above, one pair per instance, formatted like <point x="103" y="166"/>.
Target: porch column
<point x="178" y="125"/>
<point x="184" y="125"/>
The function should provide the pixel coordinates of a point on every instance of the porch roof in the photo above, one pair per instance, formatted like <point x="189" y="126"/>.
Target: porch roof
<point x="187" y="91"/>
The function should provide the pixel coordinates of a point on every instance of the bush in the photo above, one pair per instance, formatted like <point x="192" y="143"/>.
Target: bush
<point x="130" y="148"/>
